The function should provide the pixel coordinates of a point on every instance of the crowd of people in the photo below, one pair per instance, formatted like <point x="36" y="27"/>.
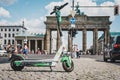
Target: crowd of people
<point x="19" y="49"/>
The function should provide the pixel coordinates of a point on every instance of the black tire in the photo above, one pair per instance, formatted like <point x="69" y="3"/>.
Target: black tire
<point x="67" y="68"/>
<point x="14" y="67"/>
<point x="112" y="59"/>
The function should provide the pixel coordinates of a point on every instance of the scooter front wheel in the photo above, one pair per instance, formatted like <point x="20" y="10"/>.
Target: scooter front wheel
<point x="13" y="65"/>
<point x="66" y="67"/>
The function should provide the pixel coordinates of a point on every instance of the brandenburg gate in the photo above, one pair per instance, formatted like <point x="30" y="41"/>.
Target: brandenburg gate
<point x="83" y="23"/>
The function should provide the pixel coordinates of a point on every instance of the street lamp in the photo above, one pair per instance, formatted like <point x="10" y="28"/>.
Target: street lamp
<point x="0" y="43"/>
<point x="25" y="40"/>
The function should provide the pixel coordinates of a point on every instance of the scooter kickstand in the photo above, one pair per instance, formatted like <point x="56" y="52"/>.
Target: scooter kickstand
<point x="51" y="68"/>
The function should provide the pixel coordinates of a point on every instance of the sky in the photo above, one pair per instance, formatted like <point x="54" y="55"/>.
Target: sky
<point x="34" y="12"/>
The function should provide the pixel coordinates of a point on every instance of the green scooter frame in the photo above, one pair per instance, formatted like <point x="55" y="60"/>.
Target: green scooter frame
<point x="18" y="62"/>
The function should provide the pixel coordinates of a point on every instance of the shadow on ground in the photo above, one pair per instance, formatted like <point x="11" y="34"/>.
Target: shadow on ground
<point x="24" y="70"/>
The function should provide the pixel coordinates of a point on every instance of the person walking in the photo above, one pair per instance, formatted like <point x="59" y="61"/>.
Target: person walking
<point x="77" y="53"/>
<point x="25" y="51"/>
<point x="8" y="47"/>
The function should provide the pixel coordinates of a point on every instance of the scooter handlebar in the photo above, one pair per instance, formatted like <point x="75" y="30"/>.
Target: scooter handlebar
<point x="52" y="12"/>
<point x="62" y="6"/>
<point x="59" y="8"/>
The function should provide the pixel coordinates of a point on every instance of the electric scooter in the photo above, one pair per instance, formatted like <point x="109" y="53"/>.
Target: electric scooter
<point x="17" y="61"/>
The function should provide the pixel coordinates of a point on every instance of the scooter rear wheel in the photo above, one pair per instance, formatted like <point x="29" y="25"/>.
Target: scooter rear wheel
<point x="14" y="67"/>
<point x="67" y="68"/>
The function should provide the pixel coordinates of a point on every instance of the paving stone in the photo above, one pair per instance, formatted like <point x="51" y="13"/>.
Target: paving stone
<point x="86" y="68"/>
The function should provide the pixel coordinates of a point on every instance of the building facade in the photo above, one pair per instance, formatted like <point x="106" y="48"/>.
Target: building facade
<point x="33" y="41"/>
<point x="7" y="33"/>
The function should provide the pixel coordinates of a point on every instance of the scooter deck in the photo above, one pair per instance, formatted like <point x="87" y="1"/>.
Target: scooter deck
<point x="42" y="60"/>
<point x="39" y="63"/>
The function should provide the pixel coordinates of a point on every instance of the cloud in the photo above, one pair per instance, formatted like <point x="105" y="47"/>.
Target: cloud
<point x="3" y="22"/>
<point x="7" y="2"/>
<point x="98" y="11"/>
<point x="64" y="11"/>
<point x="33" y="25"/>
<point x="4" y="12"/>
<point x="117" y="2"/>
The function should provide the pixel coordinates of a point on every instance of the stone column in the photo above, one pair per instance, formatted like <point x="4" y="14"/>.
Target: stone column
<point x="29" y="45"/>
<point x="58" y="41"/>
<point x="47" y="41"/>
<point x="95" y="41"/>
<point x="105" y="36"/>
<point x="36" y="46"/>
<point x="84" y="40"/>
<point x="42" y="44"/>
<point x="108" y="35"/>
<point x="70" y="43"/>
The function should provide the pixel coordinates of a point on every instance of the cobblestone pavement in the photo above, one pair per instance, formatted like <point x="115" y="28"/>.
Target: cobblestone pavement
<point x="85" y="68"/>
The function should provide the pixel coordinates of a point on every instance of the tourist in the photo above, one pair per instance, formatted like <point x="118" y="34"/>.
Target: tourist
<point x="25" y="51"/>
<point x="8" y="49"/>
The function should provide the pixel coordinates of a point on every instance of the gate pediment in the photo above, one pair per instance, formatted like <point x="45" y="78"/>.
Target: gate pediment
<point x="81" y="21"/>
